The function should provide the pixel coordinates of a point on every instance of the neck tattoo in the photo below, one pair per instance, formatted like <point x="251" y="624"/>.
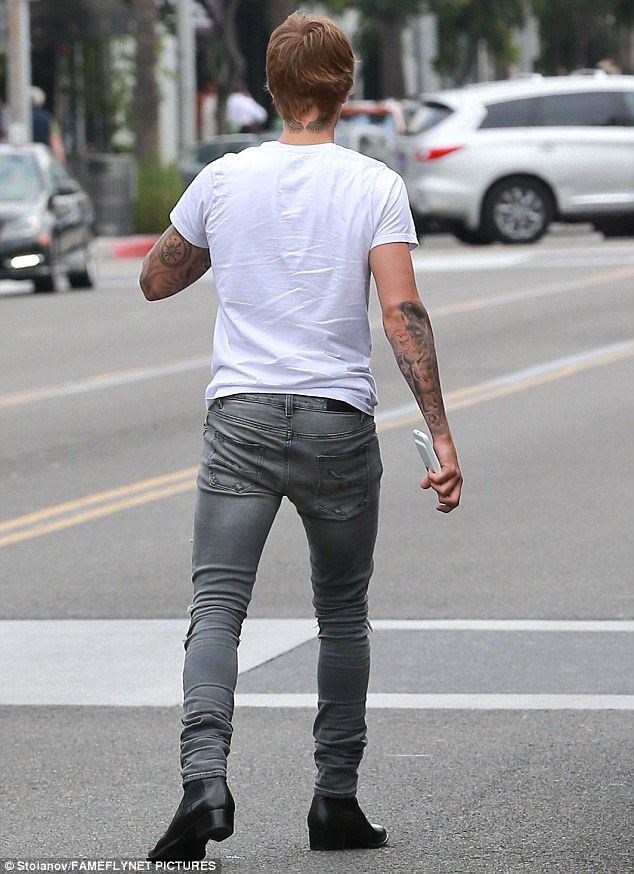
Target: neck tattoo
<point x="317" y="126"/>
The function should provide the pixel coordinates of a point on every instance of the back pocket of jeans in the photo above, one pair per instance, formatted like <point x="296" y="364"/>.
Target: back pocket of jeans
<point x="233" y="465"/>
<point x="342" y="490"/>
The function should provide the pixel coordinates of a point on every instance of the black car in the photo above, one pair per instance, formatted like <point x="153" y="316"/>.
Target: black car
<point x="47" y="223"/>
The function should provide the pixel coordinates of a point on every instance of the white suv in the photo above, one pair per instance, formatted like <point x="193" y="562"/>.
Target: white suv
<point x="501" y="160"/>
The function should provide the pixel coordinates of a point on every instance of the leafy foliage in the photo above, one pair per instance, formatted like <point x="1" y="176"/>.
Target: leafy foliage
<point x="158" y="188"/>
<point x="463" y="23"/>
<point x="579" y="33"/>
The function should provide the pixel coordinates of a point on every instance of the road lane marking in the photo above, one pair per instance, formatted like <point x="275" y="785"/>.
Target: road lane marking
<point x="459" y="260"/>
<point x="511" y="383"/>
<point x="97" y="513"/>
<point x="74" y="512"/>
<point x="137" y="374"/>
<point x="138" y="663"/>
<point x="426" y="261"/>
<point x="96" y="498"/>
<point x="480" y="303"/>
<point x="554" y="625"/>
<point x="69" y="513"/>
<point x="475" y="701"/>
<point x="37" y="523"/>
<point x="102" y="380"/>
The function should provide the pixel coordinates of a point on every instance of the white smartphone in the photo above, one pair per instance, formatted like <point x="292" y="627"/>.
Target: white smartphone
<point x="426" y="450"/>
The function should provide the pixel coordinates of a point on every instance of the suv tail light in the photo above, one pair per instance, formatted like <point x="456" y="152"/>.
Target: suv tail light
<point x="433" y="154"/>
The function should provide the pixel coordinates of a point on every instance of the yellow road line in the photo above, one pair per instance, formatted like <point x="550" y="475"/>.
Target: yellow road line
<point x="97" y="513"/>
<point x="486" y="391"/>
<point x="97" y="498"/>
<point x="153" y="489"/>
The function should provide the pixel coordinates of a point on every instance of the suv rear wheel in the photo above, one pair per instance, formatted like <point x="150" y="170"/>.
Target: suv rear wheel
<point x="517" y="210"/>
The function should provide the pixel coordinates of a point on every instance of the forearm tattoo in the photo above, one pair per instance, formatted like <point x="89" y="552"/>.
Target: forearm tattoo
<point x="174" y="251"/>
<point x="172" y="265"/>
<point x="415" y="351"/>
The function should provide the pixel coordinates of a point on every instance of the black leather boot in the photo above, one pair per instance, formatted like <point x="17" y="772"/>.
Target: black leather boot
<point x="205" y="813"/>
<point x="340" y="824"/>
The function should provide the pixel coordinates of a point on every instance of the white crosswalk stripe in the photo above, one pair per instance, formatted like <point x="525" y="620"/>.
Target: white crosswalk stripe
<point x="137" y="663"/>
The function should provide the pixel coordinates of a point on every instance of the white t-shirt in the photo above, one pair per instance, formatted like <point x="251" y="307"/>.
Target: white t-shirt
<point x="289" y="229"/>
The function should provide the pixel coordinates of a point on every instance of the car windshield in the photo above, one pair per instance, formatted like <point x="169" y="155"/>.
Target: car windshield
<point x="19" y="177"/>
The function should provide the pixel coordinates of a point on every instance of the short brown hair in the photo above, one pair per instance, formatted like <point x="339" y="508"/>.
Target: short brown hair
<point x="309" y="63"/>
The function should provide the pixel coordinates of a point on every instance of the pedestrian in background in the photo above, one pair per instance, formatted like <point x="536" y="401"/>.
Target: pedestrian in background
<point x="45" y="127"/>
<point x="294" y="228"/>
<point x="4" y="122"/>
<point x="207" y="110"/>
<point x="244" y="114"/>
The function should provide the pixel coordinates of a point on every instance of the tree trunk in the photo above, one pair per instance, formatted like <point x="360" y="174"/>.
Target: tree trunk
<point x="146" y="116"/>
<point x="225" y="59"/>
<point x="280" y="10"/>
<point x="392" y="78"/>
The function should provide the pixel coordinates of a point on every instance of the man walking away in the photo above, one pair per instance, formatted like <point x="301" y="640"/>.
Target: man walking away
<point x="294" y="229"/>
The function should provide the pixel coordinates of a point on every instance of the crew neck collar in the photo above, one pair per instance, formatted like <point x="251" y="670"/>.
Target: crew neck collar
<point x="302" y="147"/>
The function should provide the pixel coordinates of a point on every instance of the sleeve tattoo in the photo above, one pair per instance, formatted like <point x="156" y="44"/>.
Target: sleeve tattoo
<point x="415" y="352"/>
<point x="173" y="265"/>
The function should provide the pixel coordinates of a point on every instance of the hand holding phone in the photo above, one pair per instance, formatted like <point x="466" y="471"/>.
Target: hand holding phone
<point x="426" y="450"/>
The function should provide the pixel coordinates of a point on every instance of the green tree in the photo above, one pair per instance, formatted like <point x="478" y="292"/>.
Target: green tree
<point x="382" y="23"/>
<point x="223" y="53"/>
<point x="462" y="24"/>
<point x="146" y="119"/>
<point x="579" y="33"/>
<point x="279" y="10"/>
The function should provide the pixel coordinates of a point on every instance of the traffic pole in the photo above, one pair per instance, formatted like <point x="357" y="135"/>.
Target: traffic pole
<point x="186" y="74"/>
<point x="20" y="123"/>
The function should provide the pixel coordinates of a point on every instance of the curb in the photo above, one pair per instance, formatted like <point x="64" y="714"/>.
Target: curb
<point x="133" y="247"/>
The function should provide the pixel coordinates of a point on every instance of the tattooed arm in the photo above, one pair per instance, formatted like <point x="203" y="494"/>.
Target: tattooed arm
<point x="171" y="265"/>
<point x="409" y="331"/>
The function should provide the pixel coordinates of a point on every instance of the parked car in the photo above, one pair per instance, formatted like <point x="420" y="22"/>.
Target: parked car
<point x="203" y="152"/>
<point x="47" y="223"/>
<point x="372" y="126"/>
<point x="502" y="160"/>
<point x="366" y="126"/>
<point x="388" y="115"/>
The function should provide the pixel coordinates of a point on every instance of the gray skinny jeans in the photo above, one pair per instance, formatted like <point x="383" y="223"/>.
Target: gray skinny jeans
<point x="257" y="449"/>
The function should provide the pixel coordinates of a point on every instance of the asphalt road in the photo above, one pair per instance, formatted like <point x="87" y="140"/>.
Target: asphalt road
<point x="501" y="706"/>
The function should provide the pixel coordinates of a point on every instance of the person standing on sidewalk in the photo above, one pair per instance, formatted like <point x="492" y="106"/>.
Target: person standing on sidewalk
<point x="244" y="114"/>
<point x="294" y="228"/>
<point x="45" y="127"/>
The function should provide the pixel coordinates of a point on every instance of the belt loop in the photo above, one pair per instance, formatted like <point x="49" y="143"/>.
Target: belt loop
<point x="289" y="407"/>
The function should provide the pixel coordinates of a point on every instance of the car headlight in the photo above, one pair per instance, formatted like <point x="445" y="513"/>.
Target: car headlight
<point x="22" y="228"/>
